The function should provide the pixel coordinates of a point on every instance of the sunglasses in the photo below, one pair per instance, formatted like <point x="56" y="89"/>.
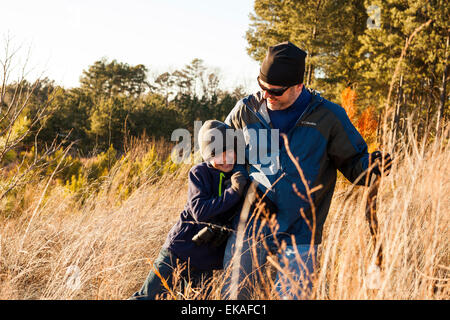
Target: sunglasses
<point x="273" y="92"/>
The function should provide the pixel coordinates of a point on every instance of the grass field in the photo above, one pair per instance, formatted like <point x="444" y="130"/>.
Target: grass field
<point x="60" y="247"/>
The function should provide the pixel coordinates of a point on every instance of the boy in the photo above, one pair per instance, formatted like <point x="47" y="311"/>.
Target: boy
<point x="210" y="203"/>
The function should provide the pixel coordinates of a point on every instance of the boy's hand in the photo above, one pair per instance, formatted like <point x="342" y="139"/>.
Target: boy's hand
<point x="238" y="182"/>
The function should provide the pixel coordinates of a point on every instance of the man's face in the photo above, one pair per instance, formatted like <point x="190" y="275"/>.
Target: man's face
<point x="285" y="100"/>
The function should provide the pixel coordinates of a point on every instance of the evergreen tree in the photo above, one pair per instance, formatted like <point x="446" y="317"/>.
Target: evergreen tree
<point x="327" y="30"/>
<point x="423" y="65"/>
<point x="104" y="79"/>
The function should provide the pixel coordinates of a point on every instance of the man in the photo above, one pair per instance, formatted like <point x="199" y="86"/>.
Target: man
<point x="321" y="138"/>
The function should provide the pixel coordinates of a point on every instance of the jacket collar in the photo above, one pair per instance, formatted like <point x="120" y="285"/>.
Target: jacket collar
<point x="257" y="104"/>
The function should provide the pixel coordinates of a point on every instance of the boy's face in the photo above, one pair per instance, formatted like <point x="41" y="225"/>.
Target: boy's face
<point x="225" y="161"/>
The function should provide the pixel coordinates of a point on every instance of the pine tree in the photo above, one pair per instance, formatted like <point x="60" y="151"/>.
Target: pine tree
<point x="423" y="64"/>
<point x="327" y="30"/>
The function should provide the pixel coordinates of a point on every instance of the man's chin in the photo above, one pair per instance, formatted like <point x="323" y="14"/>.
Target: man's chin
<point x="272" y="104"/>
<point x="277" y="105"/>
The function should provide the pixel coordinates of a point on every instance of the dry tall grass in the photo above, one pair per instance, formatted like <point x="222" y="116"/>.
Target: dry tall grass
<point x="110" y="245"/>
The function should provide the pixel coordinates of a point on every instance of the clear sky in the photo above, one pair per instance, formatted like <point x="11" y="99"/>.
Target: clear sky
<point x="66" y="36"/>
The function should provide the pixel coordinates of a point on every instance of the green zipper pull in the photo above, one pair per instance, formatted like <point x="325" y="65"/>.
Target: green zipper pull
<point x="222" y="175"/>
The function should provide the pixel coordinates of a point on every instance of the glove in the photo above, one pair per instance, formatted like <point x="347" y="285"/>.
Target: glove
<point x="238" y="182"/>
<point x="378" y="157"/>
<point x="227" y="183"/>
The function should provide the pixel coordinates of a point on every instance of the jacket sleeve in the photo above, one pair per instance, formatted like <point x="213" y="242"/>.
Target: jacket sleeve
<point x="233" y="118"/>
<point x="204" y="206"/>
<point x="347" y="148"/>
<point x="233" y="121"/>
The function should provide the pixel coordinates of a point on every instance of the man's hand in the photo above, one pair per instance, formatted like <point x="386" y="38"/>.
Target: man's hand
<point x="227" y="183"/>
<point x="238" y="182"/>
<point x="378" y="157"/>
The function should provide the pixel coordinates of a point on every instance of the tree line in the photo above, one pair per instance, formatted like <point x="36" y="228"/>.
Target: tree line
<point x="392" y="53"/>
<point x="116" y="101"/>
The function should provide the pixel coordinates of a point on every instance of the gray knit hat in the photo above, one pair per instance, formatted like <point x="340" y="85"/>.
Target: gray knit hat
<point x="214" y="139"/>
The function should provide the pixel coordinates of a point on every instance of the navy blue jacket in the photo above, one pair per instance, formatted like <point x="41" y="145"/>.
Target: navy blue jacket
<point x="322" y="140"/>
<point x="208" y="202"/>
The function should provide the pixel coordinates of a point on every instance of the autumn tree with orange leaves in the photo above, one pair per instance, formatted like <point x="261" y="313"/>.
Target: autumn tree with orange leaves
<point x="365" y="120"/>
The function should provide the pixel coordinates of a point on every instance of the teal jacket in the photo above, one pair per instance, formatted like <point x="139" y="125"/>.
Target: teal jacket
<point x="323" y="140"/>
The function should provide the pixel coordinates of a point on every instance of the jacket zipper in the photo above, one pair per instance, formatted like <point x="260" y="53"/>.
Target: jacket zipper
<point x="222" y="175"/>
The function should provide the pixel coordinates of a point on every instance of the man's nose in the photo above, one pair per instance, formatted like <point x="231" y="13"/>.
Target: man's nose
<point x="266" y="95"/>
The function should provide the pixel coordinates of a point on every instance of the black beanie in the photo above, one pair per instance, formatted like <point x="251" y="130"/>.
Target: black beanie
<point x="284" y="65"/>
